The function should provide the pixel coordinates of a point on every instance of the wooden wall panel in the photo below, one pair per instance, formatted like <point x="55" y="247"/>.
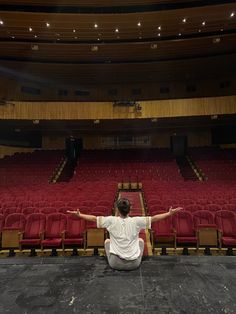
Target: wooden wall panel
<point x="106" y="110"/>
<point x="54" y="141"/>
<point x="8" y="150"/>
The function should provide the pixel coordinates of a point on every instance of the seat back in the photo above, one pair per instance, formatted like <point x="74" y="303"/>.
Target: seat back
<point x="183" y="223"/>
<point x="203" y="217"/>
<point x="55" y="224"/>
<point x="16" y="221"/>
<point x="162" y="227"/>
<point x="35" y="224"/>
<point x="75" y="227"/>
<point x="226" y="221"/>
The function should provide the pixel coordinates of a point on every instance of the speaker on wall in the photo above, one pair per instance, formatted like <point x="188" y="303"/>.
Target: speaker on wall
<point x="178" y="145"/>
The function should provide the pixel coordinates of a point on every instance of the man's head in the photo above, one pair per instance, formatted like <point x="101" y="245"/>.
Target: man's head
<point x="123" y="206"/>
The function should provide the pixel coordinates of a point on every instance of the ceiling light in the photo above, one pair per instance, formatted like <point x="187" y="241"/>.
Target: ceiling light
<point x="203" y="23"/>
<point x="199" y="31"/>
<point x="184" y="20"/>
<point x="75" y="37"/>
<point x="140" y="37"/>
<point x="30" y="29"/>
<point x="232" y="14"/>
<point x="58" y="39"/>
<point x="47" y="24"/>
<point x="98" y="39"/>
<point x="214" y="117"/>
<point x="180" y="34"/>
<point x="159" y="28"/>
<point x="139" y="24"/>
<point x="154" y="120"/>
<point x="159" y="34"/>
<point x="35" y="121"/>
<point x="1" y="22"/>
<point x="13" y="37"/>
<point x="35" y="36"/>
<point x="74" y="30"/>
<point x="97" y="121"/>
<point x="117" y="30"/>
<point x="96" y="25"/>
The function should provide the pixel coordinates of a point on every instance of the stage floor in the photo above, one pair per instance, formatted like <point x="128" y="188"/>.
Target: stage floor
<point x="168" y="284"/>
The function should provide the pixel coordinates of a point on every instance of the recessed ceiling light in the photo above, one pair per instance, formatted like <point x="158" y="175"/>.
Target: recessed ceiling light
<point x="139" y="24"/>
<point x="47" y="24"/>
<point x="35" y="36"/>
<point x="74" y="30"/>
<point x="117" y="30"/>
<point x="203" y="23"/>
<point x="13" y="37"/>
<point x="58" y="39"/>
<point x="199" y="31"/>
<point x="30" y="29"/>
<point x="180" y="34"/>
<point x="98" y="39"/>
<point x="221" y="29"/>
<point x="159" y="34"/>
<point x="75" y="37"/>
<point x="140" y="37"/>
<point x="96" y="25"/>
<point x="232" y="14"/>
<point x="1" y="22"/>
<point x="159" y="28"/>
<point x="184" y="20"/>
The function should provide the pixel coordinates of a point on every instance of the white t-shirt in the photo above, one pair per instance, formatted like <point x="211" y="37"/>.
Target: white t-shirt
<point x="124" y="234"/>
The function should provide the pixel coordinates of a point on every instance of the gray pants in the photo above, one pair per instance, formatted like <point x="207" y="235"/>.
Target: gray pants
<point x="118" y="263"/>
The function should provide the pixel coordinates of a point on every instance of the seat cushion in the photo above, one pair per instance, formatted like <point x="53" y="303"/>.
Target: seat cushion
<point x="74" y="241"/>
<point x="229" y="241"/>
<point x="54" y="242"/>
<point x="30" y="242"/>
<point x="186" y="240"/>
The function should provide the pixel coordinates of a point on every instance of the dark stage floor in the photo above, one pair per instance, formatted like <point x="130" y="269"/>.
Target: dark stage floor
<point x="187" y="284"/>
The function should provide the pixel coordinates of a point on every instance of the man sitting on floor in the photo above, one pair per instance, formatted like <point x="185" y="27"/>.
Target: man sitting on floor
<point x="124" y="249"/>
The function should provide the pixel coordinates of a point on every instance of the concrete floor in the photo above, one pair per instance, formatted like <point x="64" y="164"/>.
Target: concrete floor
<point x="167" y="284"/>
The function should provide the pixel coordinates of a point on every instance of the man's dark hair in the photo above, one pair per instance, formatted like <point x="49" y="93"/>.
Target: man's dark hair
<point x="123" y="206"/>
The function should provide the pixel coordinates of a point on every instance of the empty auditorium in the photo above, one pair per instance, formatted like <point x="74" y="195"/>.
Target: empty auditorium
<point x="118" y="156"/>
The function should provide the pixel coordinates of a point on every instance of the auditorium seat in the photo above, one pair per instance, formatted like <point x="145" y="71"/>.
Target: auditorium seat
<point x="29" y="210"/>
<point x="203" y="218"/>
<point x="14" y="221"/>
<point x="163" y="233"/>
<point x="48" y="210"/>
<point x="54" y="231"/>
<point x="185" y="232"/>
<point x="226" y="222"/>
<point x="75" y="232"/>
<point x="33" y="231"/>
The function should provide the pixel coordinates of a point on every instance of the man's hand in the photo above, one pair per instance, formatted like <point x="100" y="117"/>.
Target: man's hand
<point x="74" y="212"/>
<point x="173" y="211"/>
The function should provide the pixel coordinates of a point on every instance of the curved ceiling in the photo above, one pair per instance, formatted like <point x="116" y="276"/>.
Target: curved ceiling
<point x="119" y="44"/>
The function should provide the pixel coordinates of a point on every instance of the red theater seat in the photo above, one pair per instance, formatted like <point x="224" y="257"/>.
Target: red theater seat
<point x="163" y="233"/>
<point x="226" y="222"/>
<point x="183" y="224"/>
<point x="203" y="218"/>
<point x="74" y="235"/>
<point x="34" y="228"/>
<point x="14" y="221"/>
<point x="55" y="229"/>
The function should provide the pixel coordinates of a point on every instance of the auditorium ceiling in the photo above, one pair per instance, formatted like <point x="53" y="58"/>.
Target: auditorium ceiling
<point x="102" y="41"/>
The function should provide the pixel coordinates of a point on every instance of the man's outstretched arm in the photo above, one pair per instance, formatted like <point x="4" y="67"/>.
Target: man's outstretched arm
<point x="82" y="216"/>
<point x="171" y="212"/>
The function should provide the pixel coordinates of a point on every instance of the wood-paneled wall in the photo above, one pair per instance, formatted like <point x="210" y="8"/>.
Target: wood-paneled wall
<point x="8" y="150"/>
<point x="106" y="110"/>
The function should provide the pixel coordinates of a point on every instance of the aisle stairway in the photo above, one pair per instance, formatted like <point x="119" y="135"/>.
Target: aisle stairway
<point x="137" y="209"/>
<point x="186" y="170"/>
